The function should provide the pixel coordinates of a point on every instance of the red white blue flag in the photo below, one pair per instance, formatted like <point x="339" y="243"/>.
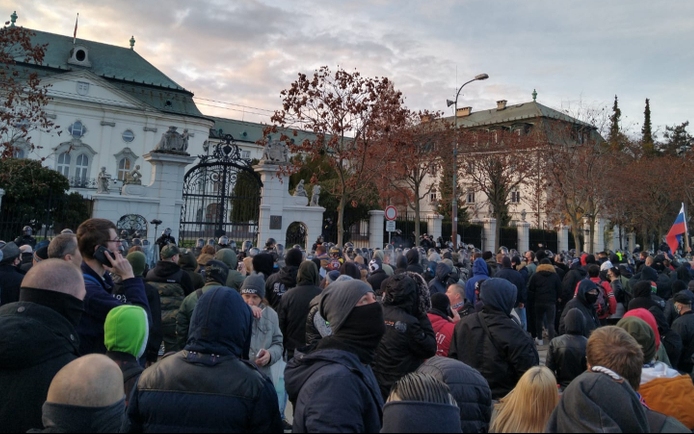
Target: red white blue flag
<point x="674" y="235"/>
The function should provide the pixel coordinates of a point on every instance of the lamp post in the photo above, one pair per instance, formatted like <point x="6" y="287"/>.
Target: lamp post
<point x="454" y="204"/>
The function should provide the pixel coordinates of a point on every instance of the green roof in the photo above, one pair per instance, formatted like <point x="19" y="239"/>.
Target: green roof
<point x="122" y="67"/>
<point x="243" y="131"/>
<point x="514" y="113"/>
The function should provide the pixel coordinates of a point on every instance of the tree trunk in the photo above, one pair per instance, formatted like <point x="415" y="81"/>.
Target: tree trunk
<point x="417" y="218"/>
<point x="341" y="220"/>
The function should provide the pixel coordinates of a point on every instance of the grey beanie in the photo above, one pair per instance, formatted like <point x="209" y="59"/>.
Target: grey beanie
<point x="338" y="300"/>
<point x="254" y="284"/>
<point x="10" y="252"/>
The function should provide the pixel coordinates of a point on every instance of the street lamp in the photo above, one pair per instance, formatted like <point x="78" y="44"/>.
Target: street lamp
<point x="454" y="204"/>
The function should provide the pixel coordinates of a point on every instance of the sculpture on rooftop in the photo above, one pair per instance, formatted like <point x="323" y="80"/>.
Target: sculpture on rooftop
<point x="172" y="141"/>
<point x="103" y="182"/>
<point x="275" y="153"/>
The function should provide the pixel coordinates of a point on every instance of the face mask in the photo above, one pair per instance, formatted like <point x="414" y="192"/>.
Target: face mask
<point x="591" y="298"/>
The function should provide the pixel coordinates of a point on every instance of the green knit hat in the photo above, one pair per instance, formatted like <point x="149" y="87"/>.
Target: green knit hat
<point x="126" y="330"/>
<point x="137" y="261"/>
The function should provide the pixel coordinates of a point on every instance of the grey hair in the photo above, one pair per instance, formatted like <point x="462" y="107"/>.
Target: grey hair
<point x="416" y="386"/>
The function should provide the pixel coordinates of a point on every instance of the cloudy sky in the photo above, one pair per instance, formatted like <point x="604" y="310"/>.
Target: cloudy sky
<point x="237" y="55"/>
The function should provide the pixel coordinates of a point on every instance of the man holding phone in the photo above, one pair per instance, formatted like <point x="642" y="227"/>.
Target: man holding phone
<point x="99" y="245"/>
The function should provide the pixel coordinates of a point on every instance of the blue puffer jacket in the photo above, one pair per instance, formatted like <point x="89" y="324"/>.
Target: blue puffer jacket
<point x="333" y="392"/>
<point x="207" y="387"/>
<point x="468" y="387"/>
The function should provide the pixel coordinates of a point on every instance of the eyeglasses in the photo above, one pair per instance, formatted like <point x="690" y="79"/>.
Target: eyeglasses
<point x="117" y="240"/>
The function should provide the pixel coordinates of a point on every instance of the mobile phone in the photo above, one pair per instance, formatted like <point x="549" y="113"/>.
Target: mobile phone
<point x="100" y="255"/>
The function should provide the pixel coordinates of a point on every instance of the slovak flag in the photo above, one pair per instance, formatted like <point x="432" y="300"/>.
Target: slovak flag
<point x="674" y="235"/>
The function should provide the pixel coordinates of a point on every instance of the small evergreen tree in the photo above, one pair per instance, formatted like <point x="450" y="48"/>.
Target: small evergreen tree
<point x="615" y="135"/>
<point x="646" y="132"/>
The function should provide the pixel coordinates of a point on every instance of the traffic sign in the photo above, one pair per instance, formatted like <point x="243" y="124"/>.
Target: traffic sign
<point x="390" y="226"/>
<point x="391" y="213"/>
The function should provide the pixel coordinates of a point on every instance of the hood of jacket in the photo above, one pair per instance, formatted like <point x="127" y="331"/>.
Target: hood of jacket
<point x="649" y="273"/>
<point x="584" y="286"/>
<point x="164" y="270"/>
<point x="546" y="269"/>
<point x="412" y="256"/>
<point x="187" y="261"/>
<point x="263" y="263"/>
<point x="415" y="417"/>
<point x="408" y="291"/>
<point x="575" y="322"/>
<point x="31" y="334"/>
<point x="642" y="288"/>
<point x="307" y="275"/>
<point x="442" y="272"/>
<point x="498" y="294"/>
<point x="479" y="267"/>
<point x="221" y="324"/>
<point x="227" y="256"/>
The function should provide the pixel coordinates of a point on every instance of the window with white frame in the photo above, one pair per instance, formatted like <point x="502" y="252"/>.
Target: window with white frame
<point x="82" y="168"/>
<point x="124" y="166"/>
<point x="432" y="196"/>
<point x="470" y="196"/>
<point x="515" y="196"/>
<point x="63" y="164"/>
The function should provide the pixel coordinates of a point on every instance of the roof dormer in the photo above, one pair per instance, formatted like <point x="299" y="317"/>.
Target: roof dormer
<point x="79" y="55"/>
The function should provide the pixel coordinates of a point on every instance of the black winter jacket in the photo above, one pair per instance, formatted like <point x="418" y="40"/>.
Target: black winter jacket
<point x="568" y="284"/>
<point x="544" y="286"/>
<point x="469" y="388"/>
<point x="409" y="337"/>
<point x="413" y="264"/>
<point x="293" y="311"/>
<point x="11" y="282"/>
<point x="36" y="343"/>
<point x="684" y="326"/>
<point x="375" y="280"/>
<point x="440" y="281"/>
<point x="566" y="356"/>
<point x="581" y="304"/>
<point x="517" y="279"/>
<point x="279" y="283"/>
<point x="501" y="358"/>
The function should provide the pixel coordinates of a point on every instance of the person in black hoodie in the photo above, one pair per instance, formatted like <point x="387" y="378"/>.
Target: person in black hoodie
<point x="189" y="264"/>
<point x="211" y="378"/>
<point x="492" y="342"/>
<point x="443" y="278"/>
<point x="294" y="307"/>
<point x="377" y="275"/>
<point x="584" y="301"/>
<point x="38" y="338"/>
<point x="544" y="291"/>
<point x="568" y="285"/>
<point x="9" y="274"/>
<point x="566" y="356"/>
<point x="413" y="264"/>
<point x="263" y="263"/>
<point x="409" y="337"/>
<point x="645" y="297"/>
<point x="279" y="283"/>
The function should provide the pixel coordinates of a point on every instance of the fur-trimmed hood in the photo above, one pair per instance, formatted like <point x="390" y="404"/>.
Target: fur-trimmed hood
<point x="545" y="267"/>
<point x="408" y="291"/>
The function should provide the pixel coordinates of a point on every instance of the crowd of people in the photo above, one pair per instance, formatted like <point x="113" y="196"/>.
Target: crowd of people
<point x="223" y="338"/>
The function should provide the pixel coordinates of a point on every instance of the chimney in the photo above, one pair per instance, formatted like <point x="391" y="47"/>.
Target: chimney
<point x="464" y="111"/>
<point x="501" y="104"/>
<point x="425" y="119"/>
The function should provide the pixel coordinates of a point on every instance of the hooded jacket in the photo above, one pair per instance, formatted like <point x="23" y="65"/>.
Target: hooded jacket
<point x="173" y="284"/>
<point x="36" y="343"/>
<point x="440" y="281"/>
<point x="501" y="351"/>
<point x="333" y="382"/>
<point x="413" y="264"/>
<point x="295" y="305"/>
<point x="594" y="402"/>
<point x="266" y="335"/>
<point x="566" y="355"/>
<point x="684" y="326"/>
<point x="409" y="337"/>
<point x="189" y="265"/>
<point x="579" y="302"/>
<point x="517" y="279"/>
<point x="544" y="286"/>
<point x="468" y="387"/>
<point x="185" y="312"/>
<point x="415" y="417"/>
<point x="644" y="297"/>
<point x="480" y="272"/>
<point x="570" y="281"/>
<point x="443" y="327"/>
<point x="234" y="278"/>
<point x="125" y="336"/>
<point x="279" y="283"/>
<point x="218" y="390"/>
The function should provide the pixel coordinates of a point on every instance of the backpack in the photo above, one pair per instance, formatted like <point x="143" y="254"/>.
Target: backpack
<point x="602" y="306"/>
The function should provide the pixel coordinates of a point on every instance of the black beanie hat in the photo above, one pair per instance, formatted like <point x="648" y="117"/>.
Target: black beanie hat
<point x="293" y="257"/>
<point x="216" y="271"/>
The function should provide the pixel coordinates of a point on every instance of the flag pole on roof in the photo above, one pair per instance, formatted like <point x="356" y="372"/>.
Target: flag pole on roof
<point x="674" y="235"/>
<point x="74" y="34"/>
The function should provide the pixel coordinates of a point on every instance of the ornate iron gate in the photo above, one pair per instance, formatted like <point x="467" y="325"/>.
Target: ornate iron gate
<point x="221" y="196"/>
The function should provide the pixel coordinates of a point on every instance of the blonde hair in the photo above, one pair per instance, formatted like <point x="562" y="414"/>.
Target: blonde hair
<point x="528" y="406"/>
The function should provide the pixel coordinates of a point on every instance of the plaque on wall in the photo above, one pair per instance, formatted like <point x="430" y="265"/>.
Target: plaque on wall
<point x="276" y="222"/>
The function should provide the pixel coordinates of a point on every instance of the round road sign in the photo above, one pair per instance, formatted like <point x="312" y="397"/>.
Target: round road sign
<point x="391" y="212"/>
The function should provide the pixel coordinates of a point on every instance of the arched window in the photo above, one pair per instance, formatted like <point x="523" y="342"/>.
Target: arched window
<point x="18" y="153"/>
<point x="63" y="165"/>
<point x="81" y="169"/>
<point x="124" y="166"/>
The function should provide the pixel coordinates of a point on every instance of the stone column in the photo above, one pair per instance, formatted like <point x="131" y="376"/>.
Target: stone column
<point x="168" y="171"/>
<point x="523" y="237"/>
<point x="434" y="223"/>
<point x="563" y="238"/>
<point x="600" y="224"/>
<point x="631" y="241"/>
<point x="586" y="234"/>
<point x="615" y="238"/>
<point x="490" y="242"/>
<point x="2" y="193"/>
<point x="376" y="222"/>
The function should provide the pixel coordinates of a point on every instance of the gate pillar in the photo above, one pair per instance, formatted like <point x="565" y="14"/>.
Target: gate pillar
<point x="279" y="209"/>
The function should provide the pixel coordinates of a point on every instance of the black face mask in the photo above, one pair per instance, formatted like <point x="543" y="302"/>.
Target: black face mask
<point x="68" y="306"/>
<point x="591" y="298"/>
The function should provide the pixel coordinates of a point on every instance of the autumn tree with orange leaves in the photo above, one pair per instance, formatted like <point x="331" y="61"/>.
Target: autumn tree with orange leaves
<point x="22" y="96"/>
<point x="350" y="116"/>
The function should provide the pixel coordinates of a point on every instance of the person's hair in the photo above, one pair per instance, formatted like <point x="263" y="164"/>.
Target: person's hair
<point x="593" y="270"/>
<point x="528" y="406"/>
<point x="136" y="249"/>
<point x="649" y="260"/>
<point x="476" y="255"/>
<point x="532" y="254"/>
<point x="61" y="245"/>
<point x="207" y="249"/>
<point x="320" y="249"/>
<point x="56" y="275"/>
<point x="614" y="348"/>
<point x="460" y="289"/>
<point x="92" y="233"/>
<point x="420" y="387"/>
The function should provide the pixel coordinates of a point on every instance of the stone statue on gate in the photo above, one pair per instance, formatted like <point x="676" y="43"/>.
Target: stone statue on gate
<point x="300" y="190"/>
<point x="173" y="141"/>
<point x="315" y="195"/>
<point x="275" y="153"/>
<point x="134" y="177"/>
<point x="102" y="182"/>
